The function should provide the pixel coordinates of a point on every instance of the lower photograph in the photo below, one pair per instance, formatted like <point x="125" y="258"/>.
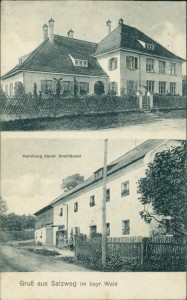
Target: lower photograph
<point x="93" y="205"/>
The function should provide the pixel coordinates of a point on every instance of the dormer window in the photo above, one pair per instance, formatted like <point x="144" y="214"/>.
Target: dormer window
<point x="98" y="174"/>
<point x="79" y="62"/>
<point x="20" y="61"/>
<point x="149" y="46"/>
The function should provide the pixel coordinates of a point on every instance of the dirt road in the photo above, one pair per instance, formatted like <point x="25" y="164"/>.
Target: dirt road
<point x="13" y="259"/>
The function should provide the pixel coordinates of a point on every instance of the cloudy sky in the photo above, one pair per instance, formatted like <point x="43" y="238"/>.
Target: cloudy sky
<point x="22" y="21"/>
<point x="28" y="184"/>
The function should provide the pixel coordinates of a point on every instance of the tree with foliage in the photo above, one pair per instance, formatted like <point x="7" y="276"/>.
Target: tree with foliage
<point x="3" y="206"/>
<point x="163" y="190"/>
<point x="71" y="181"/>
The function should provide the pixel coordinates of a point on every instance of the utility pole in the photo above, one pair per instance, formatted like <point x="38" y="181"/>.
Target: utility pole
<point x="104" y="205"/>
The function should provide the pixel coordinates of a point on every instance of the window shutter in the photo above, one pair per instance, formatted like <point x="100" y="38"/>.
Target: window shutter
<point x="116" y="63"/>
<point x="54" y="86"/>
<point x="116" y="87"/>
<point x="87" y="87"/>
<point x="72" y="87"/>
<point x="78" y="87"/>
<point x="109" y="64"/>
<point x="136" y="63"/>
<point x="43" y="86"/>
<point x="127" y="62"/>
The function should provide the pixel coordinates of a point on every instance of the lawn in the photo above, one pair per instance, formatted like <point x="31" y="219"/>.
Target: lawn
<point x="91" y="122"/>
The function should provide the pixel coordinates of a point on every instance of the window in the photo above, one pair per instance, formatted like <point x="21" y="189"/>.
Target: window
<point x="107" y="195"/>
<point x="125" y="188"/>
<point x="46" y="86"/>
<point x="6" y="89"/>
<point x="131" y="87"/>
<point x="79" y="62"/>
<point x="162" y="67"/>
<point x="75" y="206"/>
<point x="112" y="63"/>
<point x="84" y="88"/>
<point x="10" y="89"/>
<point x="108" y="229"/>
<point x="132" y="62"/>
<point x="172" y="68"/>
<point x="162" y="87"/>
<point x="93" y="230"/>
<point x="92" y="201"/>
<point x="126" y="227"/>
<point x="98" y="174"/>
<point x="149" y="65"/>
<point x="150" y="86"/>
<point x="149" y="46"/>
<point x="172" y="87"/>
<point x="61" y="212"/>
<point x="113" y="87"/>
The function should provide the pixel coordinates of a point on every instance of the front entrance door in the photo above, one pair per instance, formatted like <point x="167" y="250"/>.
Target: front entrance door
<point x="99" y="88"/>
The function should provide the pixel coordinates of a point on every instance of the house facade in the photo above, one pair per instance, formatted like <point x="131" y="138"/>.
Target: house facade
<point x="126" y="61"/>
<point x="79" y="211"/>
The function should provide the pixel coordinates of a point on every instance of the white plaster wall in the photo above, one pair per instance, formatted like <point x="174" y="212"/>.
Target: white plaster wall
<point x="118" y="209"/>
<point x="38" y="233"/>
<point x="36" y="77"/>
<point x="113" y="74"/>
<point x="143" y="76"/>
<point x="12" y="79"/>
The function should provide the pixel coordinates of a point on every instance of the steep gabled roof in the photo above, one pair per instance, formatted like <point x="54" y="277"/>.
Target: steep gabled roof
<point x="125" y="36"/>
<point x="54" y="57"/>
<point x="128" y="158"/>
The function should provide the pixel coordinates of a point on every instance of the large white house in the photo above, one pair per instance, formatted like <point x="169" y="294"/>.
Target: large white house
<point x="80" y="209"/>
<point x="125" y="61"/>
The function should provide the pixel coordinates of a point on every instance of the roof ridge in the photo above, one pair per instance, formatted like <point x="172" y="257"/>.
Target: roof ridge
<point x="66" y="37"/>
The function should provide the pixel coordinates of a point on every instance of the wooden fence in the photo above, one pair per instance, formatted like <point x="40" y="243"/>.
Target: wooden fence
<point x="55" y="107"/>
<point x="150" y="254"/>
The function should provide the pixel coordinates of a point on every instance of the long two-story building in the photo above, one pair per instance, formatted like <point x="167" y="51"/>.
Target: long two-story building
<point x="80" y="209"/>
<point x="125" y="61"/>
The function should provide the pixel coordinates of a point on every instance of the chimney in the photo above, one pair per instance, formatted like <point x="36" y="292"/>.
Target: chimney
<point x="70" y="33"/>
<point x="108" y="23"/>
<point x="45" y="32"/>
<point x="121" y="22"/>
<point x="51" y="30"/>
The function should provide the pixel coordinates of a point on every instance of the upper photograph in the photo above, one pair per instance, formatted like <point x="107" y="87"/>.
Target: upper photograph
<point x="102" y="66"/>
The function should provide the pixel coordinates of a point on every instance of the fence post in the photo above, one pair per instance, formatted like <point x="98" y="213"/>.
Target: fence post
<point x="151" y="101"/>
<point x="140" y="101"/>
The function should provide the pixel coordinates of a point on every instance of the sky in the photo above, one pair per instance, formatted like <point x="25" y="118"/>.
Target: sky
<point x="28" y="184"/>
<point x="22" y="21"/>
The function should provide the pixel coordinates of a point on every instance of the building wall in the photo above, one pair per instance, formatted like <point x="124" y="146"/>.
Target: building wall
<point x="36" y="77"/>
<point x="141" y="76"/>
<point x="113" y="74"/>
<point x="122" y="74"/>
<point x="117" y="209"/>
<point x="12" y="80"/>
<point x="40" y="235"/>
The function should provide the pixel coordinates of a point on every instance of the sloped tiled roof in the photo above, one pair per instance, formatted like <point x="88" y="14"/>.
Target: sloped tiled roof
<point x="120" y="163"/>
<point x="125" y="36"/>
<point x="53" y="57"/>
